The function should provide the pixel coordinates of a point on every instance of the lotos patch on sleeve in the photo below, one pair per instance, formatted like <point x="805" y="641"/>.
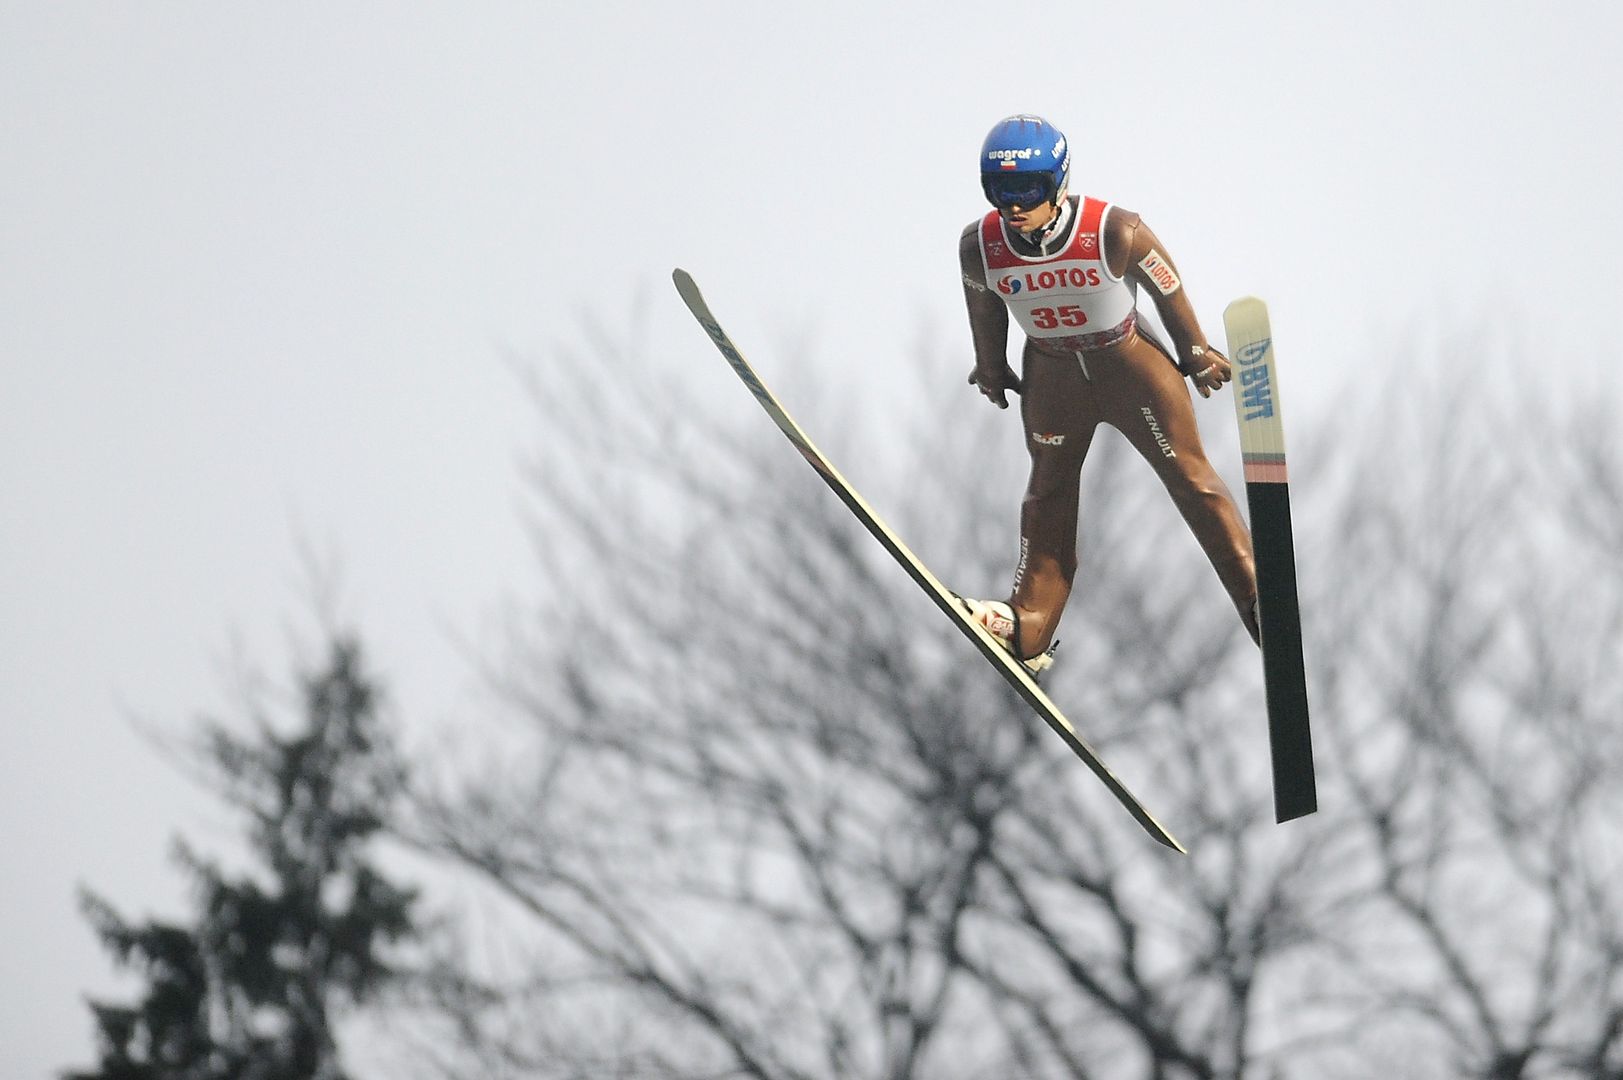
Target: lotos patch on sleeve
<point x="1160" y="272"/>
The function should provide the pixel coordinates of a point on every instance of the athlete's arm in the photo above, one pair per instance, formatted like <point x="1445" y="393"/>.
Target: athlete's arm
<point x="1133" y="249"/>
<point x="988" y="324"/>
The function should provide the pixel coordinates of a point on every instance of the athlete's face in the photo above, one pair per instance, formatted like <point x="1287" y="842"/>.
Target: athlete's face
<point x="1028" y="218"/>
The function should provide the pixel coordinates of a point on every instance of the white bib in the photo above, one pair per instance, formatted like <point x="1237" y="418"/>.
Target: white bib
<point x="1070" y="294"/>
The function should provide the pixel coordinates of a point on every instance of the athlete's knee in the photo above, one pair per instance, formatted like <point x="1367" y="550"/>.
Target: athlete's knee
<point x="1195" y="488"/>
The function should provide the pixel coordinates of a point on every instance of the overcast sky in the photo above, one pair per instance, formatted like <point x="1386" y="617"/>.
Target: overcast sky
<point x="260" y="265"/>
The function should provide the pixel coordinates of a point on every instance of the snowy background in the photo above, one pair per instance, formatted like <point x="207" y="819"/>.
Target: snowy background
<point x="261" y="268"/>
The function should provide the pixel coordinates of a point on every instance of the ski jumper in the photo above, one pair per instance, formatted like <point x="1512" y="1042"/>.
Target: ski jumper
<point x="1085" y="362"/>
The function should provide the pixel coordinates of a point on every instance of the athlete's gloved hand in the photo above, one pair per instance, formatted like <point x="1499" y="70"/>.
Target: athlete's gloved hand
<point x="1208" y="369"/>
<point x="993" y="383"/>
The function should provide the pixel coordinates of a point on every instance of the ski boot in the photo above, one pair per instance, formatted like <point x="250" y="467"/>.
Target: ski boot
<point x="1001" y="622"/>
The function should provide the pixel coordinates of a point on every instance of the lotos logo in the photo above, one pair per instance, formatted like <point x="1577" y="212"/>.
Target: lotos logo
<point x="1074" y="277"/>
<point x="1160" y="272"/>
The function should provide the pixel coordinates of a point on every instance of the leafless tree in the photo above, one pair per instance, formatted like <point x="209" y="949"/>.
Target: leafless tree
<point x="759" y="812"/>
<point x="1469" y="670"/>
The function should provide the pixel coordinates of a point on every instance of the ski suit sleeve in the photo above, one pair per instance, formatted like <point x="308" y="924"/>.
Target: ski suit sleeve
<point x="988" y="324"/>
<point x="1145" y="260"/>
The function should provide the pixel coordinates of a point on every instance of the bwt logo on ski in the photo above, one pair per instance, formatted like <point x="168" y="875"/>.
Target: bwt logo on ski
<point x="732" y="356"/>
<point x="1073" y="277"/>
<point x="1256" y="392"/>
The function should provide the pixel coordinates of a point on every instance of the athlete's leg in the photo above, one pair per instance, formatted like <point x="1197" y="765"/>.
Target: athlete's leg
<point x="1048" y="513"/>
<point x="1056" y="406"/>
<point x="1152" y="408"/>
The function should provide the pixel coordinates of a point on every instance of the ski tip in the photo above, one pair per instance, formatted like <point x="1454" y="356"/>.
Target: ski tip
<point x="1245" y="304"/>
<point x="687" y="289"/>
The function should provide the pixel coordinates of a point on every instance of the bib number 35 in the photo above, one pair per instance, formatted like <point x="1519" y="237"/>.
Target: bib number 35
<point x="1047" y="318"/>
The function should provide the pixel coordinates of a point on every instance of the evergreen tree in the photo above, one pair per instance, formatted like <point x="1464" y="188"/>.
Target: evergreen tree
<point x="251" y="989"/>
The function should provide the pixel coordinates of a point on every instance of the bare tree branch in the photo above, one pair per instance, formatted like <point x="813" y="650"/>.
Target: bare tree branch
<point x="774" y="820"/>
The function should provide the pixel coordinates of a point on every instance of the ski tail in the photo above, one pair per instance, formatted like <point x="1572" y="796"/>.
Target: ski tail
<point x="1267" y="488"/>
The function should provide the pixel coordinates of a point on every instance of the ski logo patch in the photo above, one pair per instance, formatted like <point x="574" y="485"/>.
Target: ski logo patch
<point x="1047" y="440"/>
<point x="1255" y="352"/>
<point x="1256" y="392"/>
<point x="1160" y="272"/>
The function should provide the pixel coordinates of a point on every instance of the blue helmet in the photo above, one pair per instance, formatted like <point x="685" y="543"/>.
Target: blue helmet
<point x="1025" y="161"/>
